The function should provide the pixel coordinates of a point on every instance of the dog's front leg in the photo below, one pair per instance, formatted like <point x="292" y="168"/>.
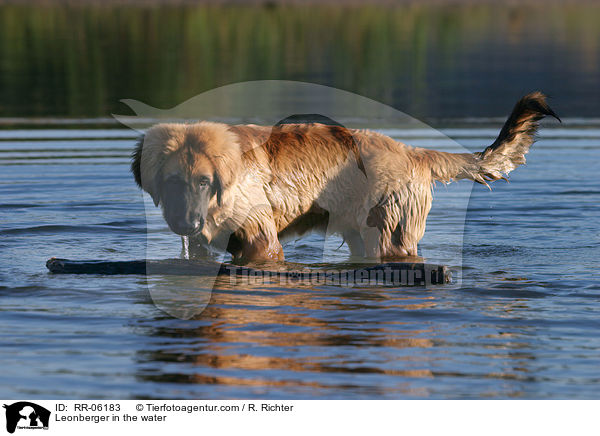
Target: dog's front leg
<point x="261" y="245"/>
<point x="259" y="250"/>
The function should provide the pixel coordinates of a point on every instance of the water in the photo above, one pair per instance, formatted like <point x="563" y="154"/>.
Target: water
<point x="523" y="323"/>
<point x="426" y="58"/>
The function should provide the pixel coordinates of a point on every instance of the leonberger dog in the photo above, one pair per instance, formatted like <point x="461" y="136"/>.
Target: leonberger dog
<point x="244" y="187"/>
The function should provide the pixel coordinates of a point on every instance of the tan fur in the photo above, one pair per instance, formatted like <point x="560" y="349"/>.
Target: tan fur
<point x="272" y="181"/>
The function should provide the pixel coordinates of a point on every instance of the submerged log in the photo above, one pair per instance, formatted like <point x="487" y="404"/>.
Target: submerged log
<point x="387" y="274"/>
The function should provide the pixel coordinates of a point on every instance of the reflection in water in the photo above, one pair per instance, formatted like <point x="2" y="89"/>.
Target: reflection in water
<point x="251" y="330"/>
<point x="181" y="296"/>
<point x="331" y="339"/>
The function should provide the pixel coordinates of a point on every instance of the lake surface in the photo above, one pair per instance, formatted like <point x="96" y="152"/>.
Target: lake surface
<point x="523" y="323"/>
<point x="432" y="59"/>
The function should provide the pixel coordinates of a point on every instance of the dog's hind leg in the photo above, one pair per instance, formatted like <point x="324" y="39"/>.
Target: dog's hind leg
<point x="380" y="245"/>
<point x="394" y="226"/>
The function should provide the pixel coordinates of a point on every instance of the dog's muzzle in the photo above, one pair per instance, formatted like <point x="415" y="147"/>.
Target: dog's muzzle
<point x="185" y="228"/>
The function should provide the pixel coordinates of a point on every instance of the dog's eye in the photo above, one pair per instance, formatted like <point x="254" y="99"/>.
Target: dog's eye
<point x="204" y="181"/>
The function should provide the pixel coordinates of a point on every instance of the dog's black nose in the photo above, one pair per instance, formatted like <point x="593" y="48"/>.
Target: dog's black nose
<point x="184" y="227"/>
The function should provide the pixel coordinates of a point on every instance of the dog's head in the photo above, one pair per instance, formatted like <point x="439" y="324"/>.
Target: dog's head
<point x="187" y="169"/>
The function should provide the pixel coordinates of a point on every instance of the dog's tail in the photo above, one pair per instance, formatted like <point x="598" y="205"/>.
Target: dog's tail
<point x="504" y="155"/>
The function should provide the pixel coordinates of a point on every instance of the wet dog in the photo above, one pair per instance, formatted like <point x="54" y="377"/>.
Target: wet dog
<point x="244" y="187"/>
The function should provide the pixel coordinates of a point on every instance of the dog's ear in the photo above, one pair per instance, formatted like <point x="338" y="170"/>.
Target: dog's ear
<point x="226" y="170"/>
<point x="136" y="161"/>
<point x="136" y="169"/>
<point x="218" y="189"/>
<point x="155" y="196"/>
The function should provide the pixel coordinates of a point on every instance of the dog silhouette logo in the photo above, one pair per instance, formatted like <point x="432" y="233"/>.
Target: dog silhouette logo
<point x="26" y="415"/>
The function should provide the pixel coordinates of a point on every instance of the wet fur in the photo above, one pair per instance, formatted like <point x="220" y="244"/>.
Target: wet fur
<point x="271" y="182"/>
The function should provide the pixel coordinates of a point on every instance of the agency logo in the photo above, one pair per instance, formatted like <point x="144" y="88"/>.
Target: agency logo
<point x="26" y="415"/>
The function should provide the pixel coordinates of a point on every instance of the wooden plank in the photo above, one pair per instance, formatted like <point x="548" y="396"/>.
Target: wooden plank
<point x="387" y="274"/>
